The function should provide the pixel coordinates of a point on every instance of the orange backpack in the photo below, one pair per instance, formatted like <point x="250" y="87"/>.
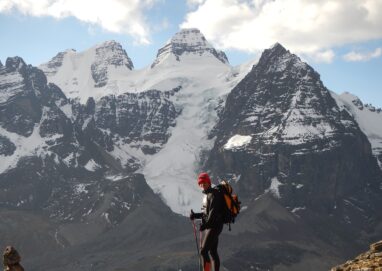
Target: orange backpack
<point x="232" y="203"/>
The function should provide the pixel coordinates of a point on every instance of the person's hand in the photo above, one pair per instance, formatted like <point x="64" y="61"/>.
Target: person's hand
<point x="192" y="215"/>
<point x="202" y="227"/>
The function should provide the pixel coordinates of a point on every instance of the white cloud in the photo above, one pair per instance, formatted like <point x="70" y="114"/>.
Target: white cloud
<point x="326" y="56"/>
<point x="308" y="27"/>
<point x="119" y="16"/>
<point x="357" y="56"/>
<point x="194" y="2"/>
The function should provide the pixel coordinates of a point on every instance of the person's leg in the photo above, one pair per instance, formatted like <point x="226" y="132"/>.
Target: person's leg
<point x="215" y="256"/>
<point x="206" y="247"/>
<point x="214" y="248"/>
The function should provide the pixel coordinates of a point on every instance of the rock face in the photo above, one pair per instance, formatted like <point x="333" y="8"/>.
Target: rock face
<point x="6" y="146"/>
<point x="108" y="54"/>
<point x="142" y="119"/>
<point x="368" y="261"/>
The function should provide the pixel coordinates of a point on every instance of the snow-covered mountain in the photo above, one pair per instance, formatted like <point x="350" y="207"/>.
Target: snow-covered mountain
<point x="81" y="136"/>
<point x="93" y="73"/>
<point x="187" y="63"/>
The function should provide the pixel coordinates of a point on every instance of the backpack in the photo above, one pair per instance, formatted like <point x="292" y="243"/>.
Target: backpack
<point x="232" y="203"/>
<point x="11" y="259"/>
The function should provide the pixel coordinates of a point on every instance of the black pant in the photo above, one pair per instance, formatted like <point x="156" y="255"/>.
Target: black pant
<point x="210" y="246"/>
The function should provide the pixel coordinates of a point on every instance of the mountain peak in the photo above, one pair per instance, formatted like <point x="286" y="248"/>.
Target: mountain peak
<point x="278" y="46"/>
<point x="1" y="64"/>
<point x="50" y="68"/>
<point x="113" y="53"/>
<point x="189" y="41"/>
<point x="190" y="37"/>
<point x="108" y="43"/>
<point x="279" y="59"/>
<point x="15" y="63"/>
<point x="87" y="71"/>
<point x="276" y="51"/>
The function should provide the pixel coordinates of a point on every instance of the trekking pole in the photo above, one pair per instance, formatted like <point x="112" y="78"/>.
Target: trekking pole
<point x="196" y="241"/>
<point x="200" y="246"/>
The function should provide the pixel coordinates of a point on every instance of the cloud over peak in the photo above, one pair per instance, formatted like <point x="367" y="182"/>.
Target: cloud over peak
<point x="308" y="27"/>
<point x="118" y="16"/>
<point x="364" y="56"/>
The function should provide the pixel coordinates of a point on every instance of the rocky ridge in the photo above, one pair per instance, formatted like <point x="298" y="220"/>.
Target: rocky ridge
<point x="368" y="261"/>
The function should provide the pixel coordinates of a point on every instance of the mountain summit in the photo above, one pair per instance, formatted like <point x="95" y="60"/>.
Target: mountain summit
<point x="188" y="42"/>
<point x="87" y="73"/>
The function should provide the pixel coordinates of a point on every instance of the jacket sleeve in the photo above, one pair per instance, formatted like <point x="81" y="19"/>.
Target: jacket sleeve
<point x="215" y="211"/>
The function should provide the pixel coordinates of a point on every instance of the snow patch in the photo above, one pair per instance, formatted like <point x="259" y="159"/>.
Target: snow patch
<point x="126" y="154"/>
<point x="298" y="209"/>
<point x="237" y="141"/>
<point x="115" y="178"/>
<point x="91" y="165"/>
<point x="106" y="216"/>
<point x="274" y="187"/>
<point x="80" y="188"/>
<point x="34" y="145"/>
<point x="67" y="110"/>
<point x="70" y="160"/>
<point x="10" y="85"/>
<point x="86" y="123"/>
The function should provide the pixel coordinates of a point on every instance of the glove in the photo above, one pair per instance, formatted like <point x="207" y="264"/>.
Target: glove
<point x="202" y="227"/>
<point x="192" y="215"/>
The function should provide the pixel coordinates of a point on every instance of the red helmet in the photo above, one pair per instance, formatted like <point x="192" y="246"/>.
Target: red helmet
<point x="204" y="178"/>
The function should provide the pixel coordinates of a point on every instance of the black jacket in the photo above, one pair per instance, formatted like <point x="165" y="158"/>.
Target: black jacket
<point x="213" y="204"/>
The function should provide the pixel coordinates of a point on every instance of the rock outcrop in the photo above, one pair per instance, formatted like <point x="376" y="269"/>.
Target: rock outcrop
<point x="368" y="261"/>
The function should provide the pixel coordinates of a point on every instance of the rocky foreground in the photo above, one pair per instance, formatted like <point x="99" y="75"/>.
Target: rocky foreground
<point x="368" y="261"/>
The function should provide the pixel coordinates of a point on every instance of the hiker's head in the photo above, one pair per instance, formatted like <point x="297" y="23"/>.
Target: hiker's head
<point x="204" y="181"/>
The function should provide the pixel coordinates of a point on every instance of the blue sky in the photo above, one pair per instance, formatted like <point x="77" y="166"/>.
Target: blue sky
<point x="342" y="40"/>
